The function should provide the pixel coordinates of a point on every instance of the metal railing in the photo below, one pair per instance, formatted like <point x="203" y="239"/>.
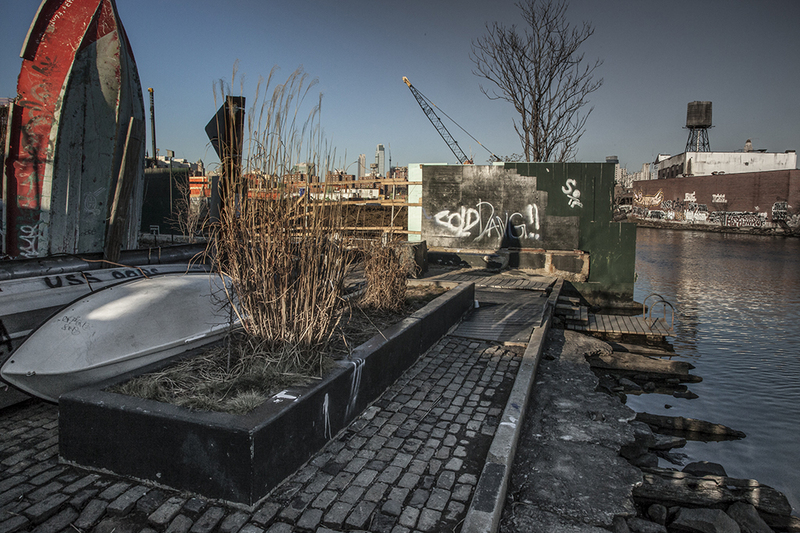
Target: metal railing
<point x="647" y="313"/>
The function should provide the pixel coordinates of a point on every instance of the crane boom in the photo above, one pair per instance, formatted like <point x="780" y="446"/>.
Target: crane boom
<point x="461" y="157"/>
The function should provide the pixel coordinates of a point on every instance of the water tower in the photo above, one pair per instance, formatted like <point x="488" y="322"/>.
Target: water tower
<point x="698" y="120"/>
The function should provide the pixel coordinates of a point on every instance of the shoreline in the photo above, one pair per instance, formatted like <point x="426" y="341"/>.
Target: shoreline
<point x="712" y="228"/>
<point x="605" y="475"/>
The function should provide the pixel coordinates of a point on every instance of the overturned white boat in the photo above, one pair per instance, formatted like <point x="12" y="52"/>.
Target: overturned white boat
<point x="120" y="329"/>
<point x="25" y="303"/>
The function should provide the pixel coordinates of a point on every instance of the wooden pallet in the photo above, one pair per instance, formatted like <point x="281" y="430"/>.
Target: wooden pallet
<point x="624" y="325"/>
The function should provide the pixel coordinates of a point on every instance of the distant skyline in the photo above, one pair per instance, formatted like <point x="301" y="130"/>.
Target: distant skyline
<point x="658" y="57"/>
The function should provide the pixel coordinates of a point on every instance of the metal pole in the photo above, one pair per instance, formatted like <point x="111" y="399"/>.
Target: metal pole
<point x="153" y="123"/>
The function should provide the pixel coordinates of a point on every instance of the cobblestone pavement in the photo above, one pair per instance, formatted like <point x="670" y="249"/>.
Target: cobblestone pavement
<point x="409" y="463"/>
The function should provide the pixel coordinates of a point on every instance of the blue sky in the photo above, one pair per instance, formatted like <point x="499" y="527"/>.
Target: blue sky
<point x="658" y="56"/>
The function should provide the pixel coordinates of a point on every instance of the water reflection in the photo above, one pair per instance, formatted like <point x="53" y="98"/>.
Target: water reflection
<point x="738" y="303"/>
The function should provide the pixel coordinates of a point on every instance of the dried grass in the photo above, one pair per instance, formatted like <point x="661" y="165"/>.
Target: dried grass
<point x="386" y="267"/>
<point x="280" y="246"/>
<point x="235" y="377"/>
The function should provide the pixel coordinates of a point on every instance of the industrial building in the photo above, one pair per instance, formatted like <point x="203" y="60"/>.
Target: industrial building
<point x="747" y="187"/>
<point x="715" y="163"/>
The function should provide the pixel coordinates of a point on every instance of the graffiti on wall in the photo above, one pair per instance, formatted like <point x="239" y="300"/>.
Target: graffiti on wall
<point x="31" y="237"/>
<point x="573" y="194"/>
<point x="640" y="200"/>
<point x="780" y="211"/>
<point x="483" y="222"/>
<point x="737" y="219"/>
<point x="91" y="202"/>
<point x="355" y="385"/>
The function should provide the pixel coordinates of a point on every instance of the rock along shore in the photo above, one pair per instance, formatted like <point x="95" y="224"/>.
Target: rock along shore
<point x="586" y="464"/>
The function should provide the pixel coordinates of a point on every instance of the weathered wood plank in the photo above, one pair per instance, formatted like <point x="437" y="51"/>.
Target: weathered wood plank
<point x="693" y="425"/>
<point x="128" y="175"/>
<point x="627" y="362"/>
<point x="644" y="350"/>
<point x="679" y="488"/>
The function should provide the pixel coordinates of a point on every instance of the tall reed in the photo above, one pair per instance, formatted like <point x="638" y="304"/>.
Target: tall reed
<point x="278" y="243"/>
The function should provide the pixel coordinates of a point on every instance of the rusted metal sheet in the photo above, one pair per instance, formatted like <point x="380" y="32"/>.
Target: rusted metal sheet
<point x="77" y="90"/>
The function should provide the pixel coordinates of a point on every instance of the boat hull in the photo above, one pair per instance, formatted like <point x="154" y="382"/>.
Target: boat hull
<point x="120" y="329"/>
<point x="78" y="89"/>
<point x="26" y="303"/>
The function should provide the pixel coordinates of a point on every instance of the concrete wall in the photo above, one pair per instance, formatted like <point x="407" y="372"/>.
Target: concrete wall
<point x="529" y="211"/>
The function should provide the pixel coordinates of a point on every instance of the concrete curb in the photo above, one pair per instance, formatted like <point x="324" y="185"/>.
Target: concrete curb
<point x="484" y="512"/>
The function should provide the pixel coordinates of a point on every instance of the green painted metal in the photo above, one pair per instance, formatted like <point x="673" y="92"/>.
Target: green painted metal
<point x="611" y="245"/>
<point x="161" y="192"/>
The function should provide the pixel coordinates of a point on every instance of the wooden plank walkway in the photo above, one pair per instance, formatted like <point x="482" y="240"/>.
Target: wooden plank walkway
<point x="506" y="315"/>
<point x="618" y="324"/>
<point x="483" y="279"/>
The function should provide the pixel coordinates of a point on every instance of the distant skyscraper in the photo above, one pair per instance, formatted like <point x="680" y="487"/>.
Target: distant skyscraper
<point x="380" y="160"/>
<point x="362" y="166"/>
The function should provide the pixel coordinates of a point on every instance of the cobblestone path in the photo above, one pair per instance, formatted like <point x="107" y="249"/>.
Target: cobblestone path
<point x="409" y="463"/>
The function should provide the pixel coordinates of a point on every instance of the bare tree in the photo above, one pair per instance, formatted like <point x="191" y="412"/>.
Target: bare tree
<point x="539" y="70"/>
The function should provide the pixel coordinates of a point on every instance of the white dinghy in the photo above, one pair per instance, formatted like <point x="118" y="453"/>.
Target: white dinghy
<point x="120" y="329"/>
<point x="25" y="303"/>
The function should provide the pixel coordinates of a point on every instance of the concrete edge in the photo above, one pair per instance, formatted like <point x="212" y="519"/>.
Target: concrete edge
<point x="486" y="507"/>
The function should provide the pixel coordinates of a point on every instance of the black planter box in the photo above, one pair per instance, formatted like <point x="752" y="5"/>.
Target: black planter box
<point x="240" y="458"/>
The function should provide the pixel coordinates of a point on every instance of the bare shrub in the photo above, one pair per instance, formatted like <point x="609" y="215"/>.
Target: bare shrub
<point x="189" y="215"/>
<point x="386" y="267"/>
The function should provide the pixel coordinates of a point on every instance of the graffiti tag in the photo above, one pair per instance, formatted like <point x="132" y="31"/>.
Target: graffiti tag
<point x="91" y="203"/>
<point x="74" y="324"/>
<point x="31" y="237"/>
<point x="488" y="223"/>
<point x="54" y="282"/>
<point x="640" y="200"/>
<point x="573" y="194"/>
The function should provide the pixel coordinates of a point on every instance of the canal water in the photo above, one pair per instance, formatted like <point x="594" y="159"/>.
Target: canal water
<point x="737" y="299"/>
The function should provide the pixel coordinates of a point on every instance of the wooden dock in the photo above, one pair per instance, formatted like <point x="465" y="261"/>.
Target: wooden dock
<point x="623" y="325"/>
<point x="578" y="318"/>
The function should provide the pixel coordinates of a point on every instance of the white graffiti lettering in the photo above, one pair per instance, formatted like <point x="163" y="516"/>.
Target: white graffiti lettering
<point x="327" y="416"/>
<point x="718" y="199"/>
<point x="490" y="224"/>
<point x="91" y="203"/>
<point x="460" y="222"/>
<point x="355" y="385"/>
<point x="32" y="237"/>
<point x="690" y="197"/>
<point x="573" y="194"/>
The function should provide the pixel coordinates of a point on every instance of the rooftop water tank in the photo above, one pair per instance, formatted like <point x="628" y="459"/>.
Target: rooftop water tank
<point x="698" y="115"/>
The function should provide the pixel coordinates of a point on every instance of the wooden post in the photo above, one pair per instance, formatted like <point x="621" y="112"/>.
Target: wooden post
<point x="120" y="204"/>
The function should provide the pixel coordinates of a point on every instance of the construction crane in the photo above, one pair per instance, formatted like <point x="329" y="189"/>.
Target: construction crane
<point x="461" y="157"/>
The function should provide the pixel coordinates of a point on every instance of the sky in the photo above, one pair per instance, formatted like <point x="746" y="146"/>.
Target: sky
<point x="657" y="57"/>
